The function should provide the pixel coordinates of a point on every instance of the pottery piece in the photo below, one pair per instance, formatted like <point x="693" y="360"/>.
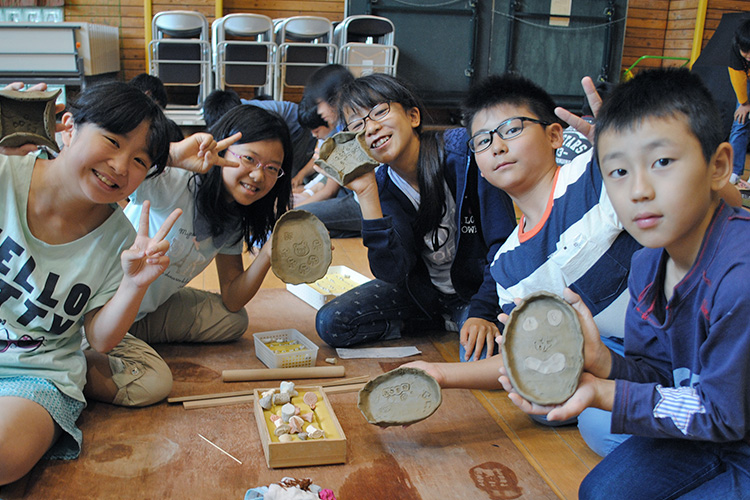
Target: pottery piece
<point x="28" y="117"/>
<point x="543" y="349"/>
<point x="301" y="248"/>
<point x="344" y="157"/>
<point x="399" y="397"/>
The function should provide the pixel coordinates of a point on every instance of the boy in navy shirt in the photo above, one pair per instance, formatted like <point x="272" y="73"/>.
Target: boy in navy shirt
<point x="683" y="387"/>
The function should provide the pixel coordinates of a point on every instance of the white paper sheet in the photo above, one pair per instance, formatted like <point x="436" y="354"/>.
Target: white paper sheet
<point x="377" y="352"/>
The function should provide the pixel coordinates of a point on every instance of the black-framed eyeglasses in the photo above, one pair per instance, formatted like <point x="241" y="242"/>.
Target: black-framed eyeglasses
<point x="251" y="163"/>
<point x="510" y="128"/>
<point x="377" y="113"/>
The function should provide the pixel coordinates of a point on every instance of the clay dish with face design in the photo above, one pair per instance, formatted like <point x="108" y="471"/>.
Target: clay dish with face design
<point x="399" y="397"/>
<point x="344" y="157"/>
<point x="300" y="248"/>
<point x="543" y="349"/>
<point x="28" y="118"/>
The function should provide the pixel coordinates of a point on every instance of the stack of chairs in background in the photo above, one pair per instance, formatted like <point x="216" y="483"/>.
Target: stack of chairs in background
<point x="255" y="52"/>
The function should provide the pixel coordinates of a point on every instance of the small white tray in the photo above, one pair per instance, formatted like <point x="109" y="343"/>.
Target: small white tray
<point x="304" y="357"/>
<point x="315" y="293"/>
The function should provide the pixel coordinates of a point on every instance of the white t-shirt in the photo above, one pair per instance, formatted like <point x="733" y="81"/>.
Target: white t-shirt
<point x="438" y="260"/>
<point x="188" y="256"/>
<point x="45" y="290"/>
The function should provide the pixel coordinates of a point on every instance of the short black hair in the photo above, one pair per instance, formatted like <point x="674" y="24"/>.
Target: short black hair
<point x="663" y="93"/>
<point x="368" y="91"/>
<point x="217" y="104"/>
<point x="308" y="116"/>
<point x="742" y="36"/>
<point x="152" y="87"/>
<point x="120" y="108"/>
<point x="512" y="89"/>
<point x="324" y="83"/>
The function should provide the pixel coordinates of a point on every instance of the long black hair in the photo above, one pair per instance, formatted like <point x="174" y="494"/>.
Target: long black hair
<point x="120" y="108"/>
<point x="257" y="219"/>
<point x="369" y="91"/>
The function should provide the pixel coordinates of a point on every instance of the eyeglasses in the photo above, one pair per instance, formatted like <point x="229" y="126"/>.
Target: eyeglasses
<point x="253" y="164"/>
<point x="377" y="113"/>
<point x="25" y="342"/>
<point x="510" y="128"/>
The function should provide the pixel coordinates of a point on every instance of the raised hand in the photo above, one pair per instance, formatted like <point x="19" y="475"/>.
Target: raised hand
<point x="575" y="121"/>
<point x="200" y="152"/>
<point x="146" y="260"/>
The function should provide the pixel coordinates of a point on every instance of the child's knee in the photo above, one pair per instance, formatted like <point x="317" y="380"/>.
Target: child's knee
<point x="141" y="376"/>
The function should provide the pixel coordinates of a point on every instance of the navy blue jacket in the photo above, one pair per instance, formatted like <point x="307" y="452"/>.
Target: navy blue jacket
<point x="485" y="219"/>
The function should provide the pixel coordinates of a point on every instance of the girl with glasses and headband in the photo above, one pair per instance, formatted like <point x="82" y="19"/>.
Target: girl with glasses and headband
<point x="226" y="208"/>
<point x="429" y="221"/>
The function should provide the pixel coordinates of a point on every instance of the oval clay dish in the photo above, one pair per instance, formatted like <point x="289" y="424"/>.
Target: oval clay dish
<point x="543" y="349"/>
<point x="399" y="397"/>
<point x="300" y="248"/>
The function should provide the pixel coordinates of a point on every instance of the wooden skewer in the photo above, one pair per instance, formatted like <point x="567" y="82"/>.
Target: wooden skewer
<point x="217" y="395"/>
<point x="210" y="403"/>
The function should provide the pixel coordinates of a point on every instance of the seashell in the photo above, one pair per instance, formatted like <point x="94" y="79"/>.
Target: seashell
<point x="282" y="429"/>
<point x="308" y="416"/>
<point x="296" y="424"/>
<point x="310" y="399"/>
<point x="281" y="398"/>
<point x="286" y="438"/>
<point x="287" y="411"/>
<point x="269" y="392"/>
<point x="313" y="432"/>
<point x="266" y="402"/>
<point x="287" y="387"/>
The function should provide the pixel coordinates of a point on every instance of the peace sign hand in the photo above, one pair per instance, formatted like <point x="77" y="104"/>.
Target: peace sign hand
<point x="595" y="103"/>
<point x="146" y="260"/>
<point x="200" y="152"/>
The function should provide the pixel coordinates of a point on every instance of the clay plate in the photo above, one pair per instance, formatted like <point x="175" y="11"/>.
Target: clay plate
<point x="301" y="248"/>
<point x="543" y="349"/>
<point x="344" y="157"/>
<point x="28" y="118"/>
<point x="399" y="397"/>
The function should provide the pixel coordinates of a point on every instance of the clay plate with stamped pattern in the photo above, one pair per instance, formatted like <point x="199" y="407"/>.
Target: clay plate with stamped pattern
<point x="301" y="248"/>
<point x="543" y="349"/>
<point x="344" y="157"/>
<point x="28" y="118"/>
<point x="399" y="397"/>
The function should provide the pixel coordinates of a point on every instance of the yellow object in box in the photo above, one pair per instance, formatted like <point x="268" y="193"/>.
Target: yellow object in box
<point x="338" y="280"/>
<point x="330" y="449"/>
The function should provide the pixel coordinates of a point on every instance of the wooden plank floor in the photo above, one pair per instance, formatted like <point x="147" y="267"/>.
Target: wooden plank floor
<point x="558" y="456"/>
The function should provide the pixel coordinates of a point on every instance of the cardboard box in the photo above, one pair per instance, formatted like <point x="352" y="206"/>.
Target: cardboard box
<point x="330" y="449"/>
<point x="313" y="294"/>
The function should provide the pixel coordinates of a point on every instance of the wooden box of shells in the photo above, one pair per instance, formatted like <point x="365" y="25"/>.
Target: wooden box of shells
<point x="338" y="279"/>
<point x="321" y="440"/>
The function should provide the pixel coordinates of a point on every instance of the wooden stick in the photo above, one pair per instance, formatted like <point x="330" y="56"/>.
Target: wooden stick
<point x="282" y="373"/>
<point x="224" y="452"/>
<point x="211" y="403"/>
<point x="216" y="395"/>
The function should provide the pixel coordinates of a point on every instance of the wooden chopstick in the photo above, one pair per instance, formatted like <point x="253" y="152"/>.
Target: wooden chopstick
<point x="217" y="395"/>
<point x="226" y="401"/>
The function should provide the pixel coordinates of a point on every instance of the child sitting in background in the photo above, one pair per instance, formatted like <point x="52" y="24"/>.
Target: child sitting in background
<point x="682" y="388"/>
<point x="70" y="259"/>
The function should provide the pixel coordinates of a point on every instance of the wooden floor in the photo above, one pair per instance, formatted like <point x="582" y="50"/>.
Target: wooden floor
<point x="558" y="455"/>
